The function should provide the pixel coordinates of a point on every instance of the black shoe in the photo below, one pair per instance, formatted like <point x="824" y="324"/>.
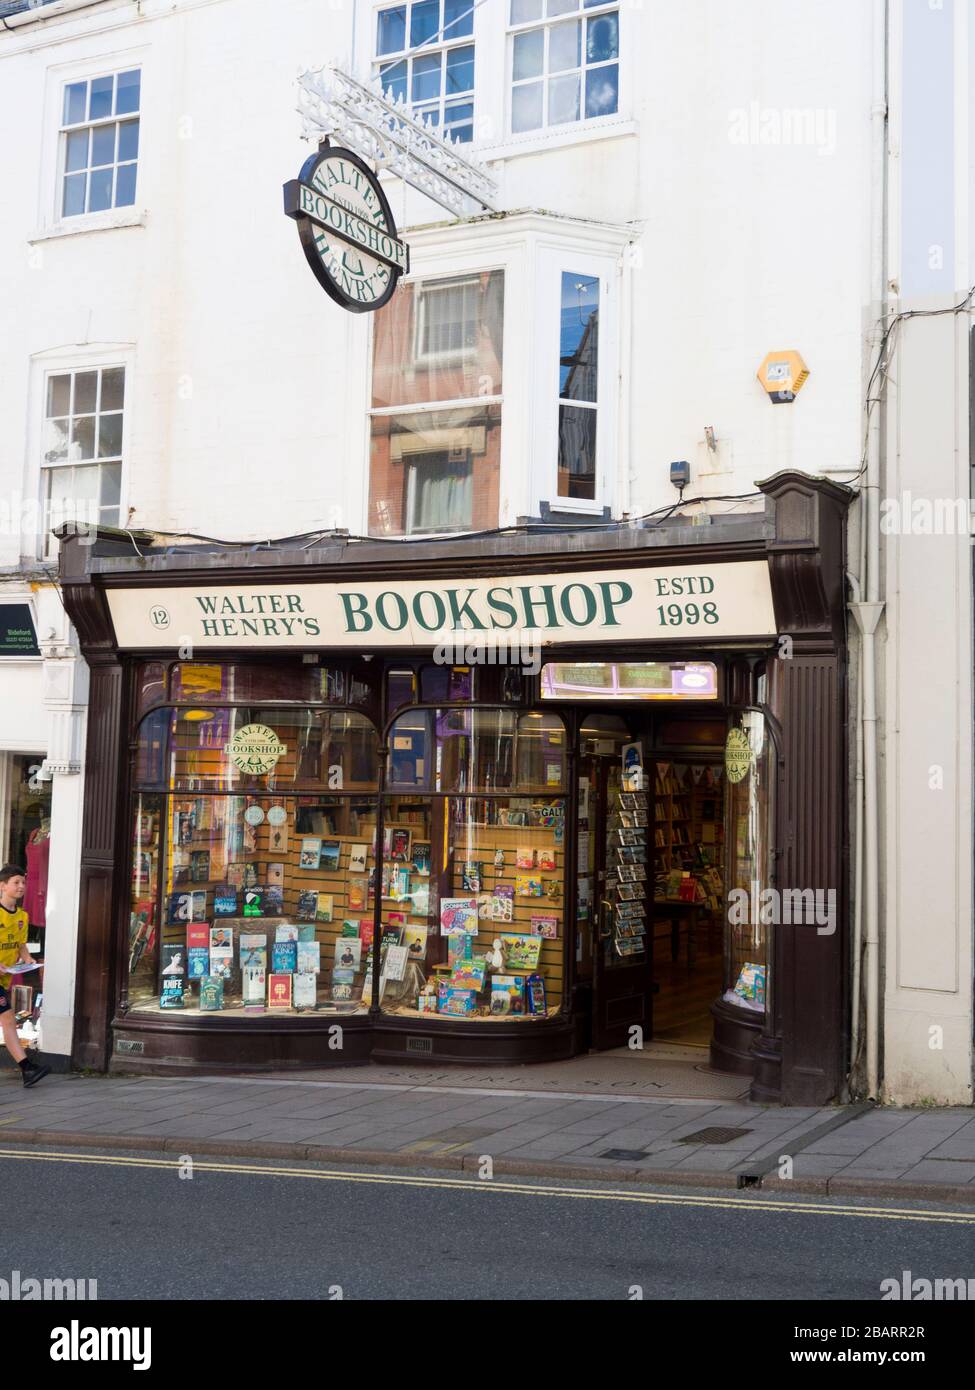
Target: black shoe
<point x="34" y="1073"/>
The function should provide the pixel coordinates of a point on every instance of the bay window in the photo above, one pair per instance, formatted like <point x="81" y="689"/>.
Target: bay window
<point x="435" y="421"/>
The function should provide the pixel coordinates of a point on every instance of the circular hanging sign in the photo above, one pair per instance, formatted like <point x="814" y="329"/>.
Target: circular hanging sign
<point x="254" y="749"/>
<point x="277" y="815"/>
<point x="737" y="755"/>
<point x="346" y="229"/>
<point x="254" y="815"/>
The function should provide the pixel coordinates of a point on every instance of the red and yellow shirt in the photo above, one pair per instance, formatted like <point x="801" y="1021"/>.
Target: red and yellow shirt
<point x="13" y="935"/>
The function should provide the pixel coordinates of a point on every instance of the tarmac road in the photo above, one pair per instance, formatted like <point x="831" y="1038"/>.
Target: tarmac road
<point x="253" y="1229"/>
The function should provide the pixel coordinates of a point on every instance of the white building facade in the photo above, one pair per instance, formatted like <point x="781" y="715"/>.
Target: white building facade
<point x="710" y="178"/>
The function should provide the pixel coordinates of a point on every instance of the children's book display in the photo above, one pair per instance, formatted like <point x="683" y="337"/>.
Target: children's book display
<point x="490" y="943"/>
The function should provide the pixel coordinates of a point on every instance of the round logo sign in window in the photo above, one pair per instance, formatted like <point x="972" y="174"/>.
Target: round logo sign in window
<point x="255" y="749"/>
<point x="737" y="755"/>
<point x="347" y="230"/>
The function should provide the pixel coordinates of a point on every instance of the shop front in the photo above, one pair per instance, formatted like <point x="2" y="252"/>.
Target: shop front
<point x="543" y="800"/>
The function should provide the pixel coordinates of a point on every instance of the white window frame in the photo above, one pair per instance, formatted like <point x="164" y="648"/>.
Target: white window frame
<point x="51" y="223"/>
<point x="585" y="123"/>
<point x="551" y="262"/>
<point x="64" y="131"/>
<point x="441" y="45"/>
<point x="58" y="362"/>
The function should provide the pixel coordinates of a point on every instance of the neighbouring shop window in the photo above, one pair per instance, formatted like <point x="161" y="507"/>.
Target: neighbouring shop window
<point x="749" y="765"/>
<point x="81" y="467"/>
<point x="435" y="421"/>
<point x="564" y="62"/>
<point x="578" y="381"/>
<point x="100" y="143"/>
<point x="425" y="58"/>
<point x="631" y="680"/>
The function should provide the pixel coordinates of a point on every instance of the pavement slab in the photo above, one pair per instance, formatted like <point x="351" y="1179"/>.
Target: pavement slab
<point x="557" y="1117"/>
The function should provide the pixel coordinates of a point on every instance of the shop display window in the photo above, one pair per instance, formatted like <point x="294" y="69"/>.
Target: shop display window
<point x="748" y="818"/>
<point x="473" y="907"/>
<point x="150" y="686"/>
<point x="465" y="750"/>
<point x="148" y="837"/>
<point x="289" y="682"/>
<point x="267" y="903"/>
<point x="257" y="861"/>
<point x="208" y="749"/>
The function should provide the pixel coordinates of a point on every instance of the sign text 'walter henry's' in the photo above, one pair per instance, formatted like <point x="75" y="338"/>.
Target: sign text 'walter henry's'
<point x="346" y="229"/>
<point x="710" y="602"/>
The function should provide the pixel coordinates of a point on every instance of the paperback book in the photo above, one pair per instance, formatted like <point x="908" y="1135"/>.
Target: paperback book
<point x="309" y="957"/>
<point x="279" y="991"/>
<point x="211" y="993"/>
<point x="328" y="858"/>
<point x="311" y="851"/>
<point x="284" y="957"/>
<point x="306" y="990"/>
<point x="307" y="906"/>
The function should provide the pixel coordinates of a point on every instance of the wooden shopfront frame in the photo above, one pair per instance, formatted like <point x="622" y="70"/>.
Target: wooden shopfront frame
<point x="801" y="1054"/>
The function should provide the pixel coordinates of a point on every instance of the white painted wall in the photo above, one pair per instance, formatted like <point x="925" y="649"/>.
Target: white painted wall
<point x="928" y="831"/>
<point x="246" y="413"/>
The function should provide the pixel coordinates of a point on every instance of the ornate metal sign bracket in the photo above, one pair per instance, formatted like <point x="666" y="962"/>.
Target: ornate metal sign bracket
<point x="333" y="104"/>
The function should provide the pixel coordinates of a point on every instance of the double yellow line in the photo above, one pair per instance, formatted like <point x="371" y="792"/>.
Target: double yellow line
<point x="518" y="1189"/>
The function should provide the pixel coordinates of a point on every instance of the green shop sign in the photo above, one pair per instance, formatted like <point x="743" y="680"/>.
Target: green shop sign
<point x="639" y="604"/>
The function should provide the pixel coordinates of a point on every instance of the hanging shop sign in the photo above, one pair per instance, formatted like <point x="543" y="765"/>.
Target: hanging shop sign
<point x="737" y="755"/>
<point x="664" y="603"/>
<point x="346" y="229"/>
<point x="255" y="750"/>
<point x="17" y="634"/>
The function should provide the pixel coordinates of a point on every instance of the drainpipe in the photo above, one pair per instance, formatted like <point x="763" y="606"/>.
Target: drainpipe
<point x="867" y="607"/>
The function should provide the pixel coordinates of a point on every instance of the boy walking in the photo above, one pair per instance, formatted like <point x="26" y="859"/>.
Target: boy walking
<point x="13" y="948"/>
